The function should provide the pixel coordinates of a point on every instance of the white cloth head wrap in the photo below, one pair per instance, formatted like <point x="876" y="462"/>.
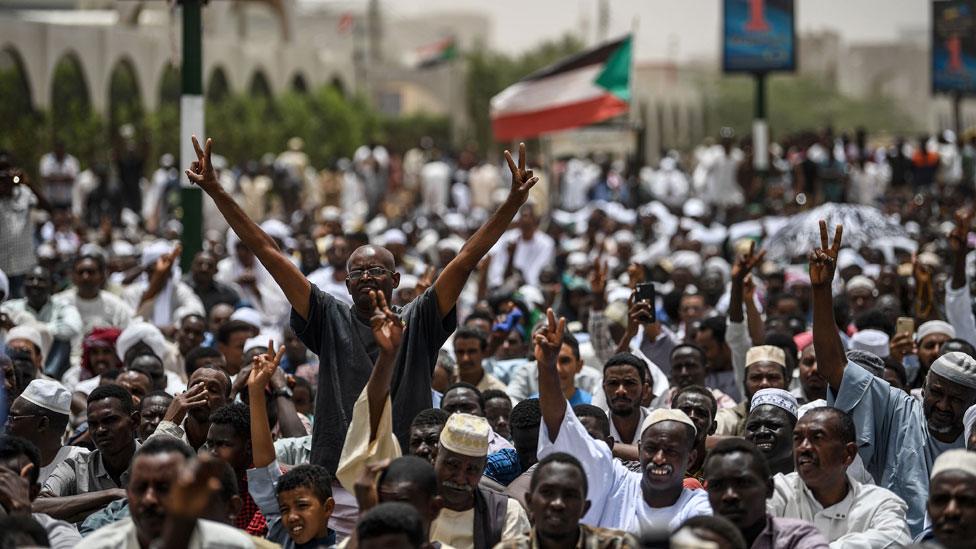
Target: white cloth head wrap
<point x="141" y="331"/>
<point x="935" y="327"/>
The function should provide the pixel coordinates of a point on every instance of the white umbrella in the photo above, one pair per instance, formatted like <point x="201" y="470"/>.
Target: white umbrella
<point x="863" y="226"/>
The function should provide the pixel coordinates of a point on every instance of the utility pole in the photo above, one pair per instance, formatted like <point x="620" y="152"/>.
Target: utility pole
<point x="191" y="122"/>
<point x="603" y="20"/>
<point x="375" y="32"/>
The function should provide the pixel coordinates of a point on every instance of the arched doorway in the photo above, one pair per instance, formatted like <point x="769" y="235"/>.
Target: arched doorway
<point x="73" y="121"/>
<point x="20" y="134"/>
<point x="166" y="120"/>
<point x="218" y="87"/>
<point x="259" y="85"/>
<point x="298" y="83"/>
<point x="124" y="100"/>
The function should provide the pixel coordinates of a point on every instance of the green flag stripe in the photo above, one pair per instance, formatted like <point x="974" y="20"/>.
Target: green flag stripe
<point x="615" y="76"/>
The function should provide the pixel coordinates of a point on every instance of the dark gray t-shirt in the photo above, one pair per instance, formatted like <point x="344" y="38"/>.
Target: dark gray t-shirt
<point x="347" y="351"/>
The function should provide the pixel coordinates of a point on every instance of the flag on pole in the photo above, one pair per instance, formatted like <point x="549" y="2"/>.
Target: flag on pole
<point x="586" y="88"/>
<point x="433" y="54"/>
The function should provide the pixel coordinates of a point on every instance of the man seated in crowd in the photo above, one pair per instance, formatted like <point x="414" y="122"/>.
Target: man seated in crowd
<point x="688" y="368"/>
<point x="845" y="511"/>
<point x="899" y="437"/>
<point x="470" y="346"/>
<point x="765" y="368"/>
<point x="82" y="485"/>
<point x="698" y="403"/>
<point x="188" y="416"/>
<point x="526" y="420"/>
<point x="97" y="307"/>
<point x="498" y="411"/>
<point x="769" y="426"/>
<point x="625" y="386"/>
<point x="229" y="439"/>
<point x="152" y="410"/>
<point x="621" y="499"/>
<point x="472" y="516"/>
<point x="40" y="414"/>
<point x="425" y="433"/>
<point x="20" y="465"/>
<point x="556" y="503"/>
<point x="167" y="494"/>
<point x="950" y="506"/>
<point x="203" y="357"/>
<point x="739" y="481"/>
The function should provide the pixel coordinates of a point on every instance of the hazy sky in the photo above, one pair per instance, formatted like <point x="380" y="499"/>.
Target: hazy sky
<point x="668" y="28"/>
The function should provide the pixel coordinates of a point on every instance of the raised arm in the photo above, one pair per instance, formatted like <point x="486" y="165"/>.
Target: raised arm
<point x="262" y="368"/>
<point x="388" y="331"/>
<point x="831" y="360"/>
<point x="548" y="341"/>
<point x="291" y="281"/>
<point x="740" y="269"/>
<point x="451" y="281"/>
<point x="958" y="311"/>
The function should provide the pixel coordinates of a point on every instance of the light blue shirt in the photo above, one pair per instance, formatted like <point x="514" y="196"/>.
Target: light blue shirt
<point x="893" y="438"/>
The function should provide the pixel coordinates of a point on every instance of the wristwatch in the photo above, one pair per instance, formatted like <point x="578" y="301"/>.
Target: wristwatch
<point x="283" y="392"/>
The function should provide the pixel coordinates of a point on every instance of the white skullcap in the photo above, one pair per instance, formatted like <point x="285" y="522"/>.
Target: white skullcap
<point x="577" y="260"/>
<point x="687" y="259"/>
<point x="249" y="315"/>
<point x="624" y="236"/>
<point x="466" y="434"/>
<point x="935" y="327"/>
<point x="861" y="282"/>
<point x="667" y="414"/>
<point x="451" y="244"/>
<point x="765" y="353"/>
<point x="694" y="207"/>
<point x="718" y="264"/>
<point x="123" y="248"/>
<point x="968" y="420"/>
<point x="849" y="258"/>
<point x="775" y="397"/>
<point x="929" y="259"/>
<point x="955" y="460"/>
<point x="330" y="213"/>
<point x="188" y="310"/>
<point x="141" y="331"/>
<point x="48" y="394"/>
<point x="394" y="236"/>
<point x="276" y="229"/>
<point x="872" y="341"/>
<point x="956" y="367"/>
<point x="532" y="296"/>
<point x="153" y="251"/>
<point x="260" y="340"/>
<point x="31" y="332"/>
<point x="407" y="282"/>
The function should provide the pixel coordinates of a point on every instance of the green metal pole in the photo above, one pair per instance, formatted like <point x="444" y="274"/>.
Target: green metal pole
<point x="191" y="122"/>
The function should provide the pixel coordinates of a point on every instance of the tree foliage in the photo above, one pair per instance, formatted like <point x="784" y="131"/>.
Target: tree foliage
<point x="802" y="103"/>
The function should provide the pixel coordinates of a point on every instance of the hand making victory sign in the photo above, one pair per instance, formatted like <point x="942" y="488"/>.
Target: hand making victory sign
<point x="387" y="327"/>
<point x="823" y="260"/>
<point x="522" y="179"/>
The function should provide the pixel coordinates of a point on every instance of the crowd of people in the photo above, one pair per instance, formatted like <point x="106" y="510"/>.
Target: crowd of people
<point x="412" y="351"/>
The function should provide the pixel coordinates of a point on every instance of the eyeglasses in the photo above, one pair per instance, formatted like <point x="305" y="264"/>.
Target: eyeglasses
<point x="11" y="418"/>
<point x="373" y="272"/>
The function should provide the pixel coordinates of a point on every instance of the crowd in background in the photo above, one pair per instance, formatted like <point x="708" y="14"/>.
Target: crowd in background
<point x="424" y="349"/>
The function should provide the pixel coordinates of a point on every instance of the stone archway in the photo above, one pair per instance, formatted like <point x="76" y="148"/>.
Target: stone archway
<point x="21" y="132"/>
<point x="218" y="86"/>
<point x="336" y="83"/>
<point x="124" y="100"/>
<point x="298" y="83"/>
<point x="260" y="85"/>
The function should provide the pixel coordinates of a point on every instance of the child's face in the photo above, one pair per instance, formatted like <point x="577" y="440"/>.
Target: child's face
<point x="304" y="515"/>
